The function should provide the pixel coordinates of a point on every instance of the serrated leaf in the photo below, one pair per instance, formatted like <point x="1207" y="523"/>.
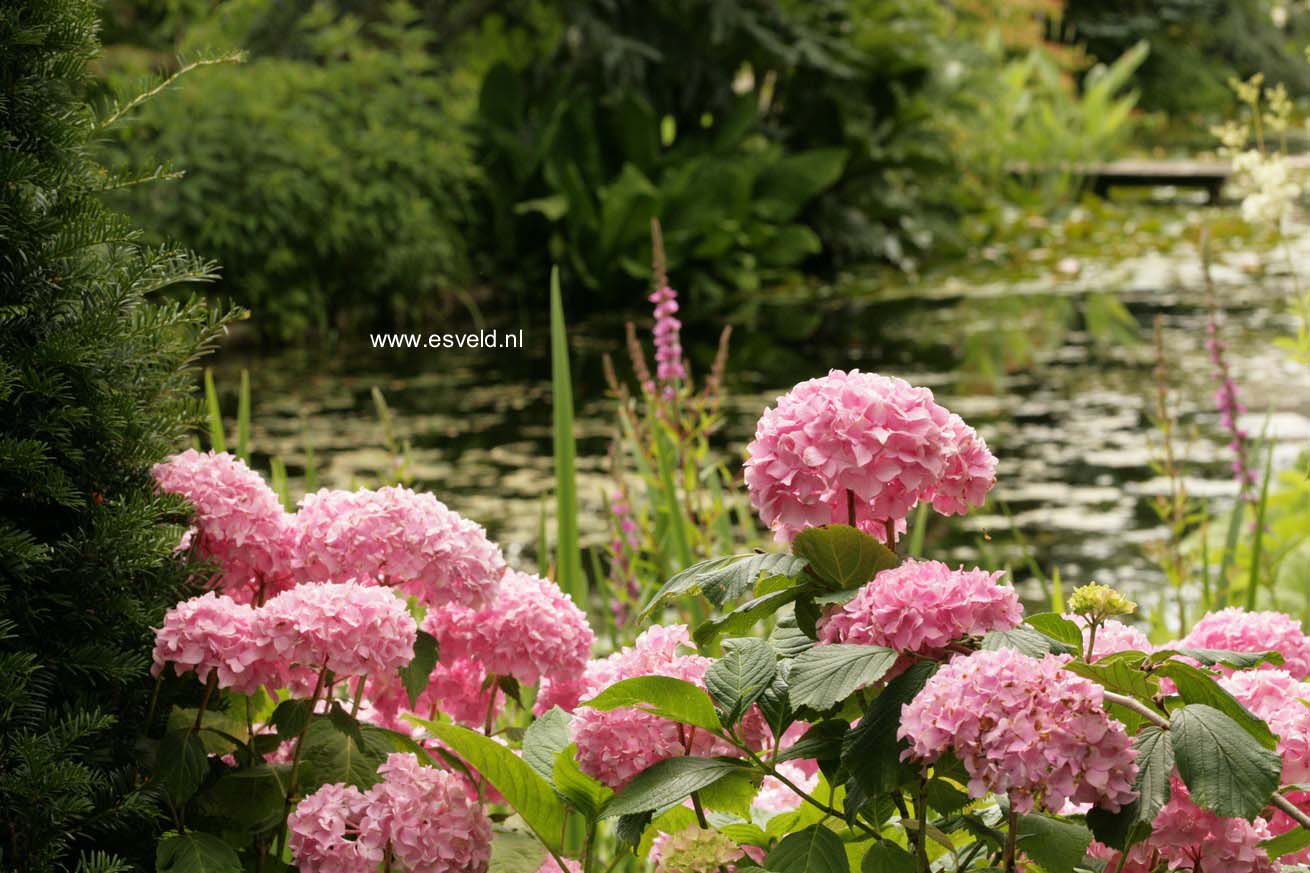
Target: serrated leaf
<point x="744" y="617"/>
<point x="1287" y="843"/>
<point x="291" y="717"/>
<point x="1155" y="765"/>
<point x="544" y="739"/>
<point x="1056" y="844"/>
<point x="1224" y="767"/>
<point x="773" y="701"/>
<point x="667" y="782"/>
<point x="724" y="579"/>
<point x="822" y="742"/>
<point x="182" y="764"/>
<point x="584" y="792"/>
<point x="664" y="696"/>
<point x="345" y="722"/>
<point x="1027" y="640"/>
<point x="887" y="857"/>
<point x="871" y="751"/>
<point x="415" y="675"/>
<point x="732" y="794"/>
<point x="253" y="798"/>
<point x="787" y="639"/>
<point x="515" y="852"/>
<point x="1118" y="676"/>
<point x="737" y="680"/>
<point x="1210" y="657"/>
<point x="1195" y="686"/>
<point x="825" y="675"/>
<point x="195" y="852"/>
<point x="329" y="756"/>
<point x="1057" y="627"/>
<point x="843" y="556"/>
<point x="812" y="850"/>
<point x="523" y="788"/>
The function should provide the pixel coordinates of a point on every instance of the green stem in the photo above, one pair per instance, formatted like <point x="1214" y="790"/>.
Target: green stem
<point x="1011" y="838"/>
<point x="204" y="701"/>
<point x="359" y="696"/>
<point x="921" y="807"/>
<point x="294" y="777"/>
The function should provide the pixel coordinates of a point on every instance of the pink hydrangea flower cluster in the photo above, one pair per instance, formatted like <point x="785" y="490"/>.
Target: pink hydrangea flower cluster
<point x="213" y="633"/>
<point x="395" y="536"/>
<point x="351" y="629"/>
<point x="1112" y="637"/>
<point x="238" y="521"/>
<point x="1278" y="699"/>
<point x="530" y="630"/>
<point x="424" y="817"/>
<point x="775" y="797"/>
<point x="457" y="688"/>
<point x="922" y="607"/>
<point x="616" y="745"/>
<point x="876" y="438"/>
<point x="1237" y="630"/>
<point x="1185" y="836"/>
<point x="669" y="368"/>
<point x="1023" y="727"/>
<point x="695" y="850"/>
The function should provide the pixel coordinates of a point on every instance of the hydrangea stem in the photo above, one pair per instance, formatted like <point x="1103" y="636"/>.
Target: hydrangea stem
<point x="1011" y="838"/>
<point x="293" y="778"/>
<point x="921" y="807"/>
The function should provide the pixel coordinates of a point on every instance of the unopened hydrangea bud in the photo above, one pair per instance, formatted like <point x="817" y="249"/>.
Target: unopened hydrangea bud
<point x="1099" y="602"/>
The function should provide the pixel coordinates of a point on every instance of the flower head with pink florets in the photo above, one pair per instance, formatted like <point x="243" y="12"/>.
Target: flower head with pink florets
<point x="348" y="629"/>
<point x="239" y="522"/>
<point x="398" y="537"/>
<point x="921" y="608"/>
<point x="1236" y="630"/>
<point x="1023" y="727"/>
<point x="860" y="440"/>
<point x="213" y="634"/>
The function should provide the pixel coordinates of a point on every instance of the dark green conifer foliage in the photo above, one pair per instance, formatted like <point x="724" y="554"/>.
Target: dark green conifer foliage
<point x="94" y="388"/>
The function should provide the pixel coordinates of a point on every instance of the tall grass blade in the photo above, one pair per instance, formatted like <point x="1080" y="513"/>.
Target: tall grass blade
<point x="915" y="547"/>
<point x="1253" y="582"/>
<point x="277" y="475"/>
<point x="568" y="560"/>
<point x="243" y="417"/>
<point x="216" y="441"/>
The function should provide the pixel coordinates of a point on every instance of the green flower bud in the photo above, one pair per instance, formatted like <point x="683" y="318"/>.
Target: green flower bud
<point x="1099" y="602"/>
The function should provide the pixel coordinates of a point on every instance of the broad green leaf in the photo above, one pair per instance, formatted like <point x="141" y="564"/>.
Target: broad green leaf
<point x="1118" y="676"/>
<point x="1027" y="640"/>
<point x="523" y="788"/>
<point x="822" y="742"/>
<point x="1225" y="768"/>
<point x="291" y="717"/>
<point x="515" y="852"/>
<point x="843" y="556"/>
<point x="724" y="579"/>
<point x="664" y="696"/>
<point x="1195" y="686"/>
<point x="584" y="792"/>
<point x="1057" y="845"/>
<point x="737" y="680"/>
<point x="1057" y="627"/>
<point x="787" y="637"/>
<point x="1155" y="764"/>
<point x="182" y="765"/>
<point x="773" y="701"/>
<point x="812" y="850"/>
<point x="825" y="675"/>
<point x="343" y="721"/>
<point x="667" y="782"/>
<point x="733" y="793"/>
<point x="253" y="798"/>
<point x="871" y="751"/>
<point x="196" y="852"/>
<point x="329" y="755"/>
<point x="1287" y="843"/>
<point x="544" y="739"/>
<point x="414" y="675"/>
<point x="1210" y="657"/>
<point x="220" y="733"/>
<point x="887" y="857"/>
<point x="744" y="617"/>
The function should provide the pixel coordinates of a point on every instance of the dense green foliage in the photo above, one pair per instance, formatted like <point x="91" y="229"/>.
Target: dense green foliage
<point x="1196" y="47"/>
<point x="94" y="388"/>
<point x="320" y="185"/>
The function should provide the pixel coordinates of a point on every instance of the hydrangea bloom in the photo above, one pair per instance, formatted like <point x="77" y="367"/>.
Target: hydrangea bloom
<point x="615" y="746"/>
<point x="454" y="687"/>
<point x="395" y="536"/>
<point x="238" y="521"/>
<point x="531" y="629"/>
<point x="427" y="818"/>
<point x="877" y="438"/>
<point x="922" y="607"/>
<point x="1237" y="630"/>
<point x="1277" y="698"/>
<point x="1188" y="836"/>
<point x="323" y="832"/>
<point x="352" y="629"/>
<point x="1023" y="727"/>
<point x="775" y="797"/>
<point x="1111" y="637"/>
<point x="213" y="633"/>
<point x="698" y="851"/>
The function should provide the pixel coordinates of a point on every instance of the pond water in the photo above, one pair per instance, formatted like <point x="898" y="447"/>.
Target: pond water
<point x="1048" y="370"/>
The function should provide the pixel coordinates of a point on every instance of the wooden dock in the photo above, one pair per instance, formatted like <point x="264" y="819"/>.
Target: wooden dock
<point x="1210" y="175"/>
